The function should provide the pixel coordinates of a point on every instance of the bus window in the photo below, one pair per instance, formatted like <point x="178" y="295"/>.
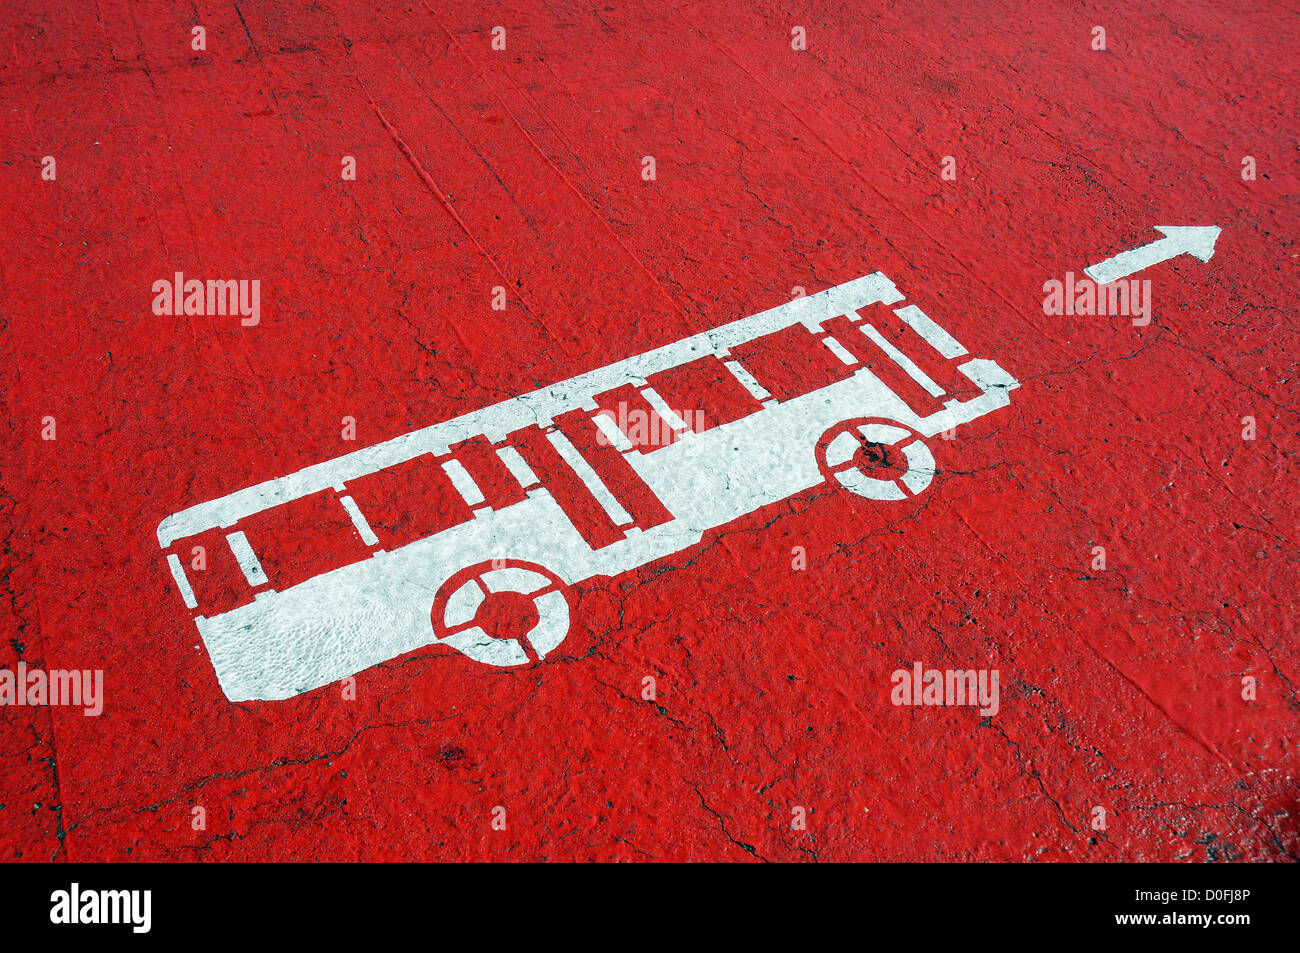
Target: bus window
<point x="220" y="585"/>
<point x="889" y="322"/>
<point x="791" y="362"/>
<point x="489" y="472"/>
<point x="632" y="492"/>
<point x="852" y="338"/>
<point x="645" y="429"/>
<point x="409" y="501"/>
<point x="302" y="538"/>
<point x="587" y="514"/>
<point x="704" y="394"/>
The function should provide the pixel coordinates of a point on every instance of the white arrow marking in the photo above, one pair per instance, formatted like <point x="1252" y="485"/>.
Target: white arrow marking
<point x="1197" y="240"/>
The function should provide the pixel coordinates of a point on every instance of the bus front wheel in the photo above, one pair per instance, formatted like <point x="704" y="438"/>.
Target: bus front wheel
<point x="502" y="612"/>
<point x="875" y="458"/>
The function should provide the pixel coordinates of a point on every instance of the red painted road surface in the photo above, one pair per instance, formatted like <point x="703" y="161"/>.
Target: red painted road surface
<point x="1125" y="688"/>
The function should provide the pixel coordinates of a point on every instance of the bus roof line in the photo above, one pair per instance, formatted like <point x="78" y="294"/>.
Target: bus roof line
<point x="497" y="420"/>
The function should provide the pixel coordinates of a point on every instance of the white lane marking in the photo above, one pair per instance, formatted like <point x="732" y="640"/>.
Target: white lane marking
<point x="359" y="521"/>
<point x="903" y="361"/>
<point x="246" y="558"/>
<point x="518" y="466"/>
<point x="588" y="476"/>
<point x="937" y="337"/>
<point x="183" y="584"/>
<point x="463" y="482"/>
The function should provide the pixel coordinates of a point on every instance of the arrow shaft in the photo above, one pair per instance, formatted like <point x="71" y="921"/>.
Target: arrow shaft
<point x="1135" y="259"/>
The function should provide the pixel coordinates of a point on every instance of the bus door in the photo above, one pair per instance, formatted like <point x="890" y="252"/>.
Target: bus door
<point x="585" y="457"/>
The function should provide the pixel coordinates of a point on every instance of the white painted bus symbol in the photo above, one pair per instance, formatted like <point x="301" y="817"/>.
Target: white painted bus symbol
<point x="472" y="533"/>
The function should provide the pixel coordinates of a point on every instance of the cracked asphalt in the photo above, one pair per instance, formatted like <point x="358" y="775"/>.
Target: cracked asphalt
<point x="1159" y="687"/>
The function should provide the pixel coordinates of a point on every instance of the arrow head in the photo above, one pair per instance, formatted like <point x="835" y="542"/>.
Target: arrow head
<point x="1195" y="240"/>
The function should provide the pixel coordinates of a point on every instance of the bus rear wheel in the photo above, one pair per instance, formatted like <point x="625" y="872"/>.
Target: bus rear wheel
<point x="502" y="612"/>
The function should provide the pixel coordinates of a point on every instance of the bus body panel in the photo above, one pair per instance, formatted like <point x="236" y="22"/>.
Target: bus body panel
<point x="343" y="622"/>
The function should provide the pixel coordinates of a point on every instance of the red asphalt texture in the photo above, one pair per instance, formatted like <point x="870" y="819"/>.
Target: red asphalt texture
<point x="775" y="168"/>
